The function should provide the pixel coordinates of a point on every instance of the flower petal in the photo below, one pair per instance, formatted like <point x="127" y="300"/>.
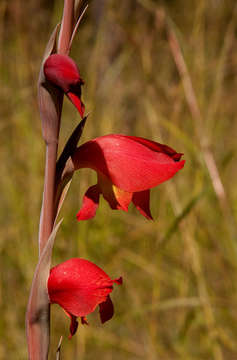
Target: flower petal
<point x="156" y="147"/>
<point x="73" y="325"/>
<point x="142" y="202"/>
<point x="128" y="164"/>
<point x="78" y="286"/>
<point x="84" y="320"/>
<point x="75" y="99"/>
<point x="106" y="310"/>
<point x="106" y="188"/>
<point x="62" y="71"/>
<point x="118" y="281"/>
<point x="106" y="307"/>
<point x="90" y="203"/>
<point x="118" y="199"/>
<point x="123" y="198"/>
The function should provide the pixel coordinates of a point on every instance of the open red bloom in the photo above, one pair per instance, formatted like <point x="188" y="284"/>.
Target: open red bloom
<point x="63" y="72"/>
<point x="127" y="168"/>
<point x="78" y="286"/>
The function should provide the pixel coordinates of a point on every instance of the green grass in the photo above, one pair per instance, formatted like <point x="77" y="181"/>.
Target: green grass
<point x="179" y="295"/>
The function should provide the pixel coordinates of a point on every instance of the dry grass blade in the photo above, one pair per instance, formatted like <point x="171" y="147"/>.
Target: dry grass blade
<point x="197" y="116"/>
<point x="220" y="72"/>
<point x="58" y="352"/>
<point x="126" y="345"/>
<point x="197" y="268"/>
<point x="170" y="304"/>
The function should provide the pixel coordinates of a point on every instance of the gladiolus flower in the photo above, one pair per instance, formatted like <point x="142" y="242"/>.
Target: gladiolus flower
<point x="127" y="168"/>
<point x="63" y="72"/>
<point x="78" y="286"/>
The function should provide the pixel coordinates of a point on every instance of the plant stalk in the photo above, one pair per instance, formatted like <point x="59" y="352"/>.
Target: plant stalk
<point x="66" y="27"/>
<point x="38" y="310"/>
<point x="47" y="212"/>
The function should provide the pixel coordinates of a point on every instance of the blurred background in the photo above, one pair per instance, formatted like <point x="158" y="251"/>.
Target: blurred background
<point x="165" y="70"/>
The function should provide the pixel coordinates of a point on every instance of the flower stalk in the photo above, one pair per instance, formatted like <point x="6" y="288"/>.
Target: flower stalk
<point x="66" y="28"/>
<point x="47" y="212"/>
<point x="50" y="103"/>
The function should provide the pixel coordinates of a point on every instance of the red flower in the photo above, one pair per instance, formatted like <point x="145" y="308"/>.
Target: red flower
<point x="63" y="72"/>
<point x="127" y="168"/>
<point x="78" y="286"/>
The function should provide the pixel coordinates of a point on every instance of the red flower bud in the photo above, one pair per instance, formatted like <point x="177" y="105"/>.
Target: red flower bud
<point x="127" y="168"/>
<point x="63" y="72"/>
<point x="78" y="286"/>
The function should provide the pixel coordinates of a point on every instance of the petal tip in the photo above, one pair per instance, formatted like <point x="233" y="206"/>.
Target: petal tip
<point x="141" y="200"/>
<point x="90" y="204"/>
<point x="75" y="99"/>
<point x="118" y="281"/>
<point x="73" y="326"/>
<point x="148" y="217"/>
<point x="106" y="310"/>
<point x="81" y="216"/>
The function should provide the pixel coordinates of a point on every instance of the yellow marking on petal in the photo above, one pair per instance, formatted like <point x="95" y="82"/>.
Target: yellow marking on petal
<point x="117" y="198"/>
<point x="123" y="197"/>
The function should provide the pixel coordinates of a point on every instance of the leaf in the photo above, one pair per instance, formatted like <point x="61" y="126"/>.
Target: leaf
<point x="50" y="98"/>
<point x="77" y="25"/>
<point x="62" y="198"/>
<point x="37" y="316"/>
<point x="70" y="147"/>
<point x="50" y="49"/>
<point x="64" y="169"/>
<point x="77" y="8"/>
<point x="51" y="46"/>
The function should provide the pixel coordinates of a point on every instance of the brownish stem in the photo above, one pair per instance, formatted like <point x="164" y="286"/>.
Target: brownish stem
<point x="66" y="27"/>
<point x="38" y="310"/>
<point x="47" y="211"/>
<point x="38" y="340"/>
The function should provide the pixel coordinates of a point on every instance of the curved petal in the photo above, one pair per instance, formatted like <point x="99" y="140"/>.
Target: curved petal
<point x="90" y="203"/>
<point x="142" y="202"/>
<point x="75" y="99"/>
<point x="128" y="164"/>
<point x="156" y="147"/>
<point x="73" y="325"/>
<point x="106" y="310"/>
